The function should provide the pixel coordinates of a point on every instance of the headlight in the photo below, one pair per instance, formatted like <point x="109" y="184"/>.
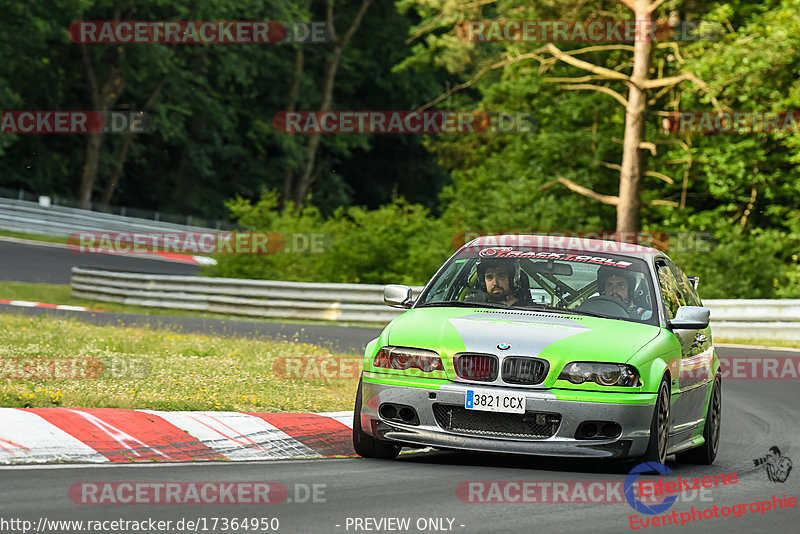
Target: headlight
<point x="605" y="374"/>
<point x="403" y="359"/>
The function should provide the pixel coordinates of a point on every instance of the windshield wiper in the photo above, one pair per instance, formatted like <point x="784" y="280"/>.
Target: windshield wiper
<point x="458" y="303"/>
<point x="539" y="307"/>
<point x="595" y="314"/>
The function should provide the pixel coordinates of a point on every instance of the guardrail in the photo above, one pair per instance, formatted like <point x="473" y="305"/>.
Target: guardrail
<point x="765" y="319"/>
<point x="61" y="221"/>
<point x="755" y="319"/>
<point x="254" y="298"/>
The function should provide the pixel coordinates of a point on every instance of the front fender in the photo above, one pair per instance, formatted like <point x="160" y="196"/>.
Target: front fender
<point x="661" y="355"/>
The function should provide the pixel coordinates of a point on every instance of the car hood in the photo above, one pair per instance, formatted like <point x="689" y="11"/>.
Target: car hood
<point x="557" y="338"/>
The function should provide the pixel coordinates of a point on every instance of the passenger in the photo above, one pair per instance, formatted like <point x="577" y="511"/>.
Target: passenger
<point x="619" y="284"/>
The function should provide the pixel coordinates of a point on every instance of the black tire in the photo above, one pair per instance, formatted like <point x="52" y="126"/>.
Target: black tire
<point x="659" y="426"/>
<point x="364" y="444"/>
<point x="706" y="453"/>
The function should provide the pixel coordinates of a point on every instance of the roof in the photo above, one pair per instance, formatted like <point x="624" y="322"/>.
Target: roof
<point x="594" y="246"/>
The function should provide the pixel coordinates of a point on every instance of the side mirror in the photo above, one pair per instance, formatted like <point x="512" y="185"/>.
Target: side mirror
<point x="691" y="318"/>
<point x="397" y="296"/>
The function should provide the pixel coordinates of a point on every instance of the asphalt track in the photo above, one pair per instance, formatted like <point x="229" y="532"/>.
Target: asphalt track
<point x="757" y="414"/>
<point x="43" y="263"/>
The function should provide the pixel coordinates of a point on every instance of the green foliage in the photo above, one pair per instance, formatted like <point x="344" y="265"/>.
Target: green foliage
<point x="745" y="266"/>
<point x="396" y="243"/>
<point x="213" y="135"/>
<point x="212" y="132"/>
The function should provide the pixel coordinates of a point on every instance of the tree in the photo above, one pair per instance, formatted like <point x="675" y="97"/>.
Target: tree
<point x="338" y="43"/>
<point x="599" y="78"/>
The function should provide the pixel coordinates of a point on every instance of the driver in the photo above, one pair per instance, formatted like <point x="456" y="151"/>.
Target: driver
<point x="616" y="283"/>
<point x="501" y="284"/>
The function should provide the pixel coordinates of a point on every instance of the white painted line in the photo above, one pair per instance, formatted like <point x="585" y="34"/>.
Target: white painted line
<point x="238" y="436"/>
<point x="160" y="465"/>
<point x="758" y="347"/>
<point x="204" y="260"/>
<point x="25" y="303"/>
<point x="25" y="437"/>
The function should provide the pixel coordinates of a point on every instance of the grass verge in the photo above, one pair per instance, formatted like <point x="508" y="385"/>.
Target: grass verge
<point x="163" y="370"/>
<point x="62" y="294"/>
<point x="34" y="237"/>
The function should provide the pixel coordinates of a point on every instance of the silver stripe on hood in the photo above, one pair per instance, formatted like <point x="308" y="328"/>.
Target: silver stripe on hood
<point x="527" y="333"/>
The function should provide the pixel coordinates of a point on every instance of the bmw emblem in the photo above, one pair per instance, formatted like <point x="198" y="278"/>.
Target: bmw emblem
<point x="503" y="346"/>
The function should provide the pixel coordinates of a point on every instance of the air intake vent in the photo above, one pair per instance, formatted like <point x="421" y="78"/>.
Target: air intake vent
<point x="479" y="367"/>
<point x="524" y="371"/>
<point x="531" y="425"/>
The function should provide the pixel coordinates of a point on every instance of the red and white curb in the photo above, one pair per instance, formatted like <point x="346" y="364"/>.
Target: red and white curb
<point x="30" y="304"/>
<point x="185" y="258"/>
<point x="41" y="435"/>
<point x="155" y="255"/>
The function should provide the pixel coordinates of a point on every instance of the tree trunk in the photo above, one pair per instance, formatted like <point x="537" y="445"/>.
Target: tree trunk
<point x="90" y="169"/>
<point x="291" y="105"/>
<point x="629" y="206"/>
<point x="113" y="181"/>
<point x="102" y="101"/>
<point x="122" y="156"/>
<point x="328" y="79"/>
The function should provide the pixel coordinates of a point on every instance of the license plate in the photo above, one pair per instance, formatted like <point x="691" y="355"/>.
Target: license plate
<point x="487" y="400"/>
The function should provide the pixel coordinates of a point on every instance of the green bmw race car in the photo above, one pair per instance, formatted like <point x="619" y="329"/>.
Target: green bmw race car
<point x="546" y="346"/>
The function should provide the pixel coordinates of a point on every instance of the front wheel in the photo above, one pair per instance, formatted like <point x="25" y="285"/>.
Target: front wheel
<point x="659" y="427"/>
<point x="364" y="444"/>
<point x="706" y="453"/>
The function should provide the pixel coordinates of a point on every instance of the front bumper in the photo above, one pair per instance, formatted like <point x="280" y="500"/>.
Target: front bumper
<point x="634" y="420"/>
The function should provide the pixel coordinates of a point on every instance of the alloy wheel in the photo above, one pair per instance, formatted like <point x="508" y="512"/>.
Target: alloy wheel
<point x="663" y="423"/>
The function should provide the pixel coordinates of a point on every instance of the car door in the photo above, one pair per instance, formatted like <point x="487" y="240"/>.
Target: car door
<point x="700" y="350"/>
<point x="692" y="373"/>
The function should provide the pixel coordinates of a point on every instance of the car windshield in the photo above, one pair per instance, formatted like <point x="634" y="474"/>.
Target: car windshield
<point x="603" y="285"/>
